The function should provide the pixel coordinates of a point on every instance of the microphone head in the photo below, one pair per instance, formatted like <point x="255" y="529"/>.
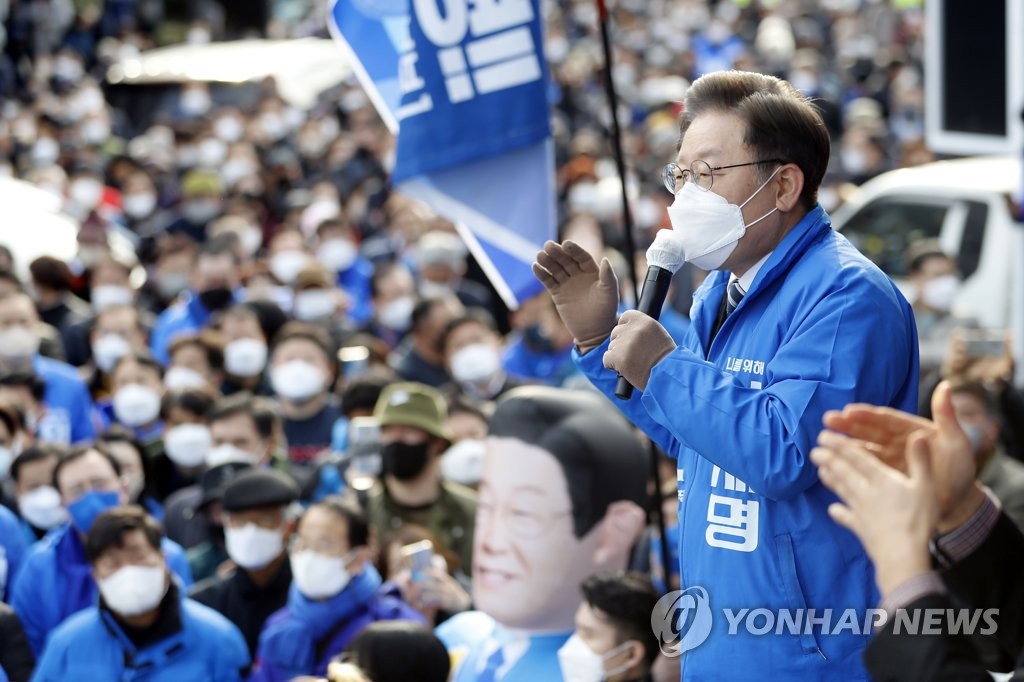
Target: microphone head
<point x="666" y="252"/>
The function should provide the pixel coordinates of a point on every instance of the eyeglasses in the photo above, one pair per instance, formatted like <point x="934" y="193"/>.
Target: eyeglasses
<point x="520" y="520"/>
<point x="701" y="172"/>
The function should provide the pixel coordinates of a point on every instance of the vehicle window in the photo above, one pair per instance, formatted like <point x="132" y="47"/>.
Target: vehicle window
<point x="882" y="229"/>
<point x="974" y="237"/>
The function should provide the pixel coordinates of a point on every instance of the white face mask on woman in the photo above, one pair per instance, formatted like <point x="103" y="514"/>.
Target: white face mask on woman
<point x="319" y="576"/>
<point x="708" y="225"/>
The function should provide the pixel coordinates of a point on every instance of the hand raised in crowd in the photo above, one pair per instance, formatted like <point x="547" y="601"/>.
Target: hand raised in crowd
<point x="585" y="295"/>
<point x="638" y="343"/>
<point x="890" y="434"/>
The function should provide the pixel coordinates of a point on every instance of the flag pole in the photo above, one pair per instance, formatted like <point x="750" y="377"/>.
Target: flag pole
<point x="630" y="246"/>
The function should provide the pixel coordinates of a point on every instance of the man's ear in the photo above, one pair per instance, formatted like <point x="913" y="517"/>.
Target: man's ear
<point x="618" y="531"/>
<point x="790" y="186"/>
<point x="633" y="655"/>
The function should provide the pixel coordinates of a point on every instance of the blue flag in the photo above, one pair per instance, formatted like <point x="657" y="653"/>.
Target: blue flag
<point x="464" y="87"/>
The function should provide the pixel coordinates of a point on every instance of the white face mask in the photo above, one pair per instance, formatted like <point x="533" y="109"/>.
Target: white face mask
<point x="86" y="192"/>
<point x="108" y="349"/>
<point x="245" y="357"/>
<point x="134" y="590"/>
<point x="108" y="295"/>
<point x="227" y="453"/>
<point x="136" y="405"/>
<point x="251" y="238"/>
<point x="397" y="315"/>
<point x="41" y="507"/>
<point x="200" y="211"/>
<point x="940" y="292"/>
<point x="183" y="377"/>
<point x="18" y="343"/>
<point x="297" y="380"/>
<point x="285" y="265"/>
<point x="319" y="576"/>
<point x="187" y="445"/>
<point x="464" y="462"/>
<point x="337" y="254"/>
<point x="228" y="128"/>
<point x="579" y="663"/>
<point x="476" y="363"/>
<point x="253" y="547"/>
<point x="708" y="225"/>
<point x="138" y="206"/>
<point x="314" y="304"/>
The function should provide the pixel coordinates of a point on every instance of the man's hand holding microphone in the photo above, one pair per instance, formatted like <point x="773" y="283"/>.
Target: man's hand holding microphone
<point x="586" y="297"/>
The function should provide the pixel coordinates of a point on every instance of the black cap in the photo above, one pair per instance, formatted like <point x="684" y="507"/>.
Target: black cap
<point x="214" y="480"/>
<point x="259" y="488"/>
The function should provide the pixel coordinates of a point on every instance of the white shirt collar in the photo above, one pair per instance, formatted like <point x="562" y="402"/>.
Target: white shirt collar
<point x="748" y="277"/>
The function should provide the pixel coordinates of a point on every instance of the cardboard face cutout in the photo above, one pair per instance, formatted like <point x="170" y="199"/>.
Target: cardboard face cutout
<point x="562" y="486"/>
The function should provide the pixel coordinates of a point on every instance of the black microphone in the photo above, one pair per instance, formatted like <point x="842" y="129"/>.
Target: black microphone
<point x="664" y="258"/>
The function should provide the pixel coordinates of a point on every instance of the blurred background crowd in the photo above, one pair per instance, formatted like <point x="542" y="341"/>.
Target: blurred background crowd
<point x="246" y="293"/>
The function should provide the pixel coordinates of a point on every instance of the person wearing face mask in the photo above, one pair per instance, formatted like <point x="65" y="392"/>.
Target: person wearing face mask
<point x="202" y="199"/>
<point x="142" y="621"/>
<point x="337" y="249"/>
<point x="57" y="306"/>
<point x="936" y="283"/>
<point x="467" y="422"/>
<point x="186" y="442"/>
<point x="977" y="413"/>
<point x="68" y="416"/>
<point x="246" y="330"/>
<point x="287" y="256"/>
<point x="336" y="592"/>
<point x="393" y="293"/>
<point x="55" y="581"/>
<point x="119" y="443"/>
<point x="472" y="351"/>
<point x="214" y="284"/>
<point x="170" y="276"/>
<point x="440" y="259"/>
<point x="195" y="361"/>
<point x="136" y="388"/>
<point x="109" y="287"/>
<point x="37" y="500"/>
<point x="301" y="373"/>
<point x="613" y="639"/>
<point x="116" y="333"/>
<point x="420" y="355"/>
<point x="255" y="508"/>
<point x="411" y="490"/>
<point x="792" y="321"/>
<point x="318" y="301"/>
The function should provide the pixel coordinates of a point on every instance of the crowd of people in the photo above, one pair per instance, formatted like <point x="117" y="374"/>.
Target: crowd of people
<point x="264" y="446"/>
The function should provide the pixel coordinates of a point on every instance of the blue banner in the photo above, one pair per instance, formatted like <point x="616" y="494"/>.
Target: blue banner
<point x="464" y="87"/>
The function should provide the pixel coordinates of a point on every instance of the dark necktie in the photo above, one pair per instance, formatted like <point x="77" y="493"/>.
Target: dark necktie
<point x="733" y="295"/>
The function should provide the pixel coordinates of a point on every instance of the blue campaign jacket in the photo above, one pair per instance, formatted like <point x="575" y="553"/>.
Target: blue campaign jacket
<point x="186" y="316"/>
<point x="471" y="638"/>
<point x="55" y="581"/>
<point x="92" y="646"/>
<point x="69" y="410"/>
<point x="820" y="327"/>
<point x="13" y="545"/>
<point x="356" y="283"/>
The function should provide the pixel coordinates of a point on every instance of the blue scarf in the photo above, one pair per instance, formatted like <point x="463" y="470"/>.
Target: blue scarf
<point x="291" y="644"/>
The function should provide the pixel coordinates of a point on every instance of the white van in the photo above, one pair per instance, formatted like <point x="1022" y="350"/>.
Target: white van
<point x="963" y="203"/>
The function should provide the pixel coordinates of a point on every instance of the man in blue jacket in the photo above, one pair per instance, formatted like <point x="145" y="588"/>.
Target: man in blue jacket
<point x="215" y="278"/>
<point x="792" y="321"/>
<point x="143" y="628"/>
<point x="69" y="414"/>
<point x="55" y="580"/>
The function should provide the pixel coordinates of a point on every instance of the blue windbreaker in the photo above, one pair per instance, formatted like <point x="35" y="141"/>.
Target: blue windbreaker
<point x="184" y="317"/>
<point x="55" y="581"/>
<point x="69" y="414"/>
<point x="91" y="646"/>
<point x="820" y="327"/>
<point x="13" y="545"/>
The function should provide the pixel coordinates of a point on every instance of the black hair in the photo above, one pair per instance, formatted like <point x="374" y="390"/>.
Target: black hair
<point x="382" y="272"/>
<point x="471" y="316"/>
<point x="307" y="332"/>
<point x="34" y="454"/>
<point x="363" y="391"/>
<point x="12" y="418"/>
<point x="980" y="392"/>
<point x="9" y="276"/>
<point x="140" y="357"/>
<point x="79" y="453"/>
<point x="51" y="273"/>
<point x="109" y="529"/>
<point x="221" y="245"/>
<point x="197" y="401"/>
<point x="208" y="341"/>
<point x="354" y="517"/>
<point x="423" y="657"/>
<point x="262" y="411"/>
<point x="628" y="599"/>
<point x="25" y="378"/>
<point x="597" y="450"/>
